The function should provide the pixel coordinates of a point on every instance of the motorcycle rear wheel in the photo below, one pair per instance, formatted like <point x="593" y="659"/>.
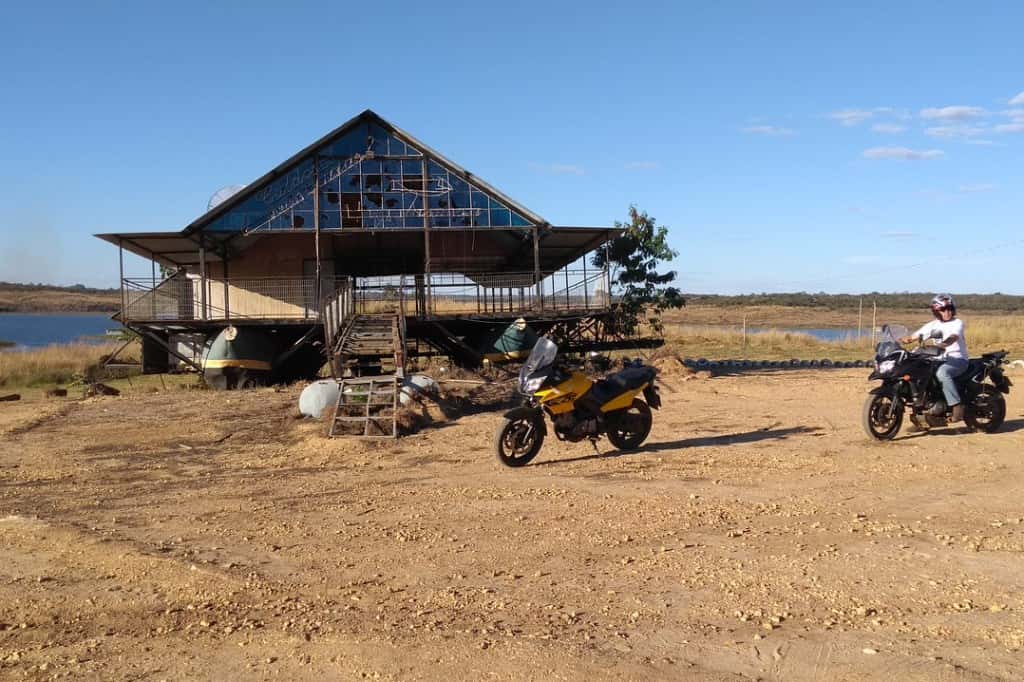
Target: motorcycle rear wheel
<point x="629" y="428"/>
<point x="517" y="441"/>
<point x="878" y="418"/>
<point x="987" y="411"/>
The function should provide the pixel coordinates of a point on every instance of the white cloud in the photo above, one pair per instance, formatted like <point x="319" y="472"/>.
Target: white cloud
<point x="557" y="168"/>
<point x="902" y="153"/>
<point x="566" y="169"/>
<point x="888" y="128"/>
<point x="983" y="143"/>
<point x="976" y="188"/>
<point x="851" y="117"/>
<point x="642" y="165"/>
<point x="955" y="113"/>
<point x="775" y="131"/>
<point x="899" y="235"/>
<point x="1018" y="100"/>
<point x="954" y="131"/>
<point x="1015" y="127"/>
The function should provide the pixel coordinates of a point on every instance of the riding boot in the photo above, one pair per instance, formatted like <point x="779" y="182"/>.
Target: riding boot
<point x="958" y="413"/>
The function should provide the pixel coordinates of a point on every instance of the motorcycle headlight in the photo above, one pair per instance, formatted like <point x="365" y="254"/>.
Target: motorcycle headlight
<point x="886" y="367"/>
<point x="531" y="385"/>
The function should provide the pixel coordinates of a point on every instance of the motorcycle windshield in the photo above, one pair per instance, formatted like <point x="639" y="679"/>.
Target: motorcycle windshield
<point x="538" y="365"/>
<point x="889" y="341"/>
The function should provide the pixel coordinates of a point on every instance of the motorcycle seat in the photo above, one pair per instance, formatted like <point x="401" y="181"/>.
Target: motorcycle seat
<point x="616" y="384"/>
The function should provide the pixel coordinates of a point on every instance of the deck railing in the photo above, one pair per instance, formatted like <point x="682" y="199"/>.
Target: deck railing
<point x="193" y="298"/>
<point x="182" y="298"/>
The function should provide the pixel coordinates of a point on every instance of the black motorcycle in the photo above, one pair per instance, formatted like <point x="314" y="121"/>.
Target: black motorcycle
<point x="909" y="381"/>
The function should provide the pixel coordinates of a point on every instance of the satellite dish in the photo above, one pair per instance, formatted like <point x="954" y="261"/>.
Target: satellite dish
<point x="223" y="194"/>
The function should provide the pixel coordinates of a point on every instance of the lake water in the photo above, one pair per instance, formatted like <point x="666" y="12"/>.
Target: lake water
<point x="32" y="330"/>
<point x="824" y="334"/>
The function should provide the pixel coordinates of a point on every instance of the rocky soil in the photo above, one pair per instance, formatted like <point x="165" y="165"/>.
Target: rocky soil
<point x="758" y="535"/>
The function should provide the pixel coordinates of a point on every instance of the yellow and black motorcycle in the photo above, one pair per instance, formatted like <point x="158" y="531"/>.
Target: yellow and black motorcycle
<point x="577" y="406"/>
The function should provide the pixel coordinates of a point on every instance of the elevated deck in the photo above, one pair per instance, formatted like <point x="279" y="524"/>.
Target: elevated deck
<point x="184" y="302"/>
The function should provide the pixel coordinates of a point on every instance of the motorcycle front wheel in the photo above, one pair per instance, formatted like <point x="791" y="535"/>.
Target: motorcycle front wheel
<point x="517" y="441"/>
<point x="987" y="411"/>
<point x="879" y="419"/>
<point x="629" y="428"/>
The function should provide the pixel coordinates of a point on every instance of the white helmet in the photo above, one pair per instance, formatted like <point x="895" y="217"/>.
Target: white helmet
<point x="942" y="302"/>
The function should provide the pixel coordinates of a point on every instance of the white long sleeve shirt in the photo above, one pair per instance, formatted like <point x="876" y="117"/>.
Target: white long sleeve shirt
<point x="948" y="329"/>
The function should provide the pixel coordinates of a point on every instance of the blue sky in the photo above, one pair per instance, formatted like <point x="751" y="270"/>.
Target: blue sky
<point x="788" y="146"/>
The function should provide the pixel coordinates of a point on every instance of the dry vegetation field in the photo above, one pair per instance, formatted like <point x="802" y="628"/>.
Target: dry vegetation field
<point x="774" y="332"/>
<point x="56" y="365"/>
<point x="23" y="298"/>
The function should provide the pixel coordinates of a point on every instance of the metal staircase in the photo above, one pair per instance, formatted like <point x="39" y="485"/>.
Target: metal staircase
<point x="369" y="344"/>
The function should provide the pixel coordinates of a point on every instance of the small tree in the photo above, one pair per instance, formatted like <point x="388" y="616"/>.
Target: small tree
<point x="637" y="287"/>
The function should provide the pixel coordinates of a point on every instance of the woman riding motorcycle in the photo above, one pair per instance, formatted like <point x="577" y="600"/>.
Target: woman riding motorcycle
<point x="950" y="330"/>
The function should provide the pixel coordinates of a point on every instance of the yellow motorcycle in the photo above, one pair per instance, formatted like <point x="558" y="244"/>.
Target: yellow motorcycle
<point x="577" y="406"/>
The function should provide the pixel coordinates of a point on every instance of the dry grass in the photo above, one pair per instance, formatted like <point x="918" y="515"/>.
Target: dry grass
<point x="984" y="334"/>
<point x="58" y="364"/>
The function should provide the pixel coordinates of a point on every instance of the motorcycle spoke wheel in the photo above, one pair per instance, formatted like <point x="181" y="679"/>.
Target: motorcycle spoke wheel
<point x="881" y="419"/>
<point x="518" y="441"/>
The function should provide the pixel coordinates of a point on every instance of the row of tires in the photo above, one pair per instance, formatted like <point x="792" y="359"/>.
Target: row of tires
<point x="704" y="363"/>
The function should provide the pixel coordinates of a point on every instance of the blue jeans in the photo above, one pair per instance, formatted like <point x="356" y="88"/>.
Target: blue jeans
<point x="950" y="370"/>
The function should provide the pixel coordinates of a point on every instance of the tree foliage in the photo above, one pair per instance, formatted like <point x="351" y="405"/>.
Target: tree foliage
<point x="638" y="288"/>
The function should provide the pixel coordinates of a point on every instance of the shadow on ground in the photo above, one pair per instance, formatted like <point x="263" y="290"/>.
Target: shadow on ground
<point x="706" y="441"/>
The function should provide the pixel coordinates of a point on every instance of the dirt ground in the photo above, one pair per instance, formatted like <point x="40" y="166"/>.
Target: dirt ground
<point x="758" y="535"/>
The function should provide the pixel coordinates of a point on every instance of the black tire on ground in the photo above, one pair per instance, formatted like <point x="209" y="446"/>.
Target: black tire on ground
<point x="629" y="428"/>
<point x="517" y="441"/>
<point x="987" y="412"/>
<point x="876" y="419"/>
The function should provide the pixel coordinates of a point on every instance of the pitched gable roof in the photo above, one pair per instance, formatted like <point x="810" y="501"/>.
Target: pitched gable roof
<point x="367" y="116"/>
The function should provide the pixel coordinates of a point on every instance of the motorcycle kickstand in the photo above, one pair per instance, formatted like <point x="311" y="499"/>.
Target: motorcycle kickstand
<point x="593" y="444"/>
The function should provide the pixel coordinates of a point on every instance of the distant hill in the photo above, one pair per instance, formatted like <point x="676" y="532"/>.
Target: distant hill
<point x="43" y="298"/>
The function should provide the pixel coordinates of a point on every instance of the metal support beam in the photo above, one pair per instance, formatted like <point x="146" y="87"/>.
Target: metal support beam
<point x="536" y="267"/>
<point x="120" y="260"/>
<point x="426" y="238"/>
<point x="316" y="230"/>
<point x="224" y="273"/>
<point x="203" y="315"/>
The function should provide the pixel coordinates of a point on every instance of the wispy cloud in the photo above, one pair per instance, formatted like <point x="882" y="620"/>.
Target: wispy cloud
<point x="558" y="168"/>
<point x="955" y="131"/>
<point x="899" y="235"/>
<point x="954" y="113"/>
<point x="976" y="188"/>
<point x="900" y="114"/>
<point x="774" y="131"/>
<point x="978" y="141"/>
<point x="642" y="165"/>
<point x="902" y="153"/>
<point x="1018" y="100"/>
<point x="851" y="117"/>
<point x="888" y="128"/>
<point x="1015" y="127"/>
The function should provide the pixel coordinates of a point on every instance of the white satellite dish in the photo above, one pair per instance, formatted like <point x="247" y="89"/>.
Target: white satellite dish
<point x="223" y="194"/>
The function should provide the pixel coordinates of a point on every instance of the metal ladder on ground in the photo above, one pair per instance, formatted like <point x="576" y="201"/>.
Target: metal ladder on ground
<point x="367" y="407"/>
